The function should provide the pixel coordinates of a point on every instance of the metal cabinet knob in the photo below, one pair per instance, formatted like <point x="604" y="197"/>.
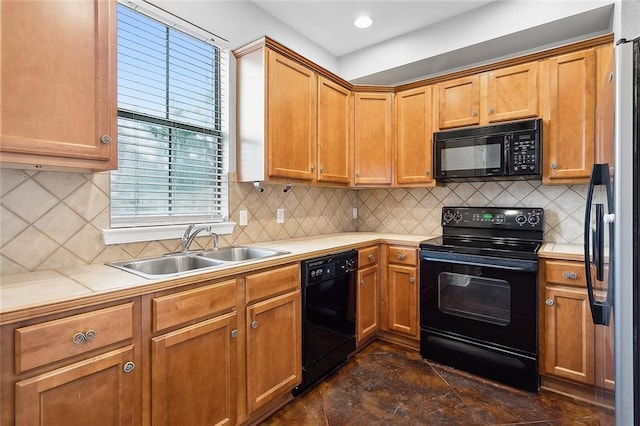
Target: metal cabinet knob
<point x="105" y="139"/>
<point x="254" y="324"/>
<point x="569" y="275"/>
<point x="361" y="282"/>
<point x="412" y="280"/>
<point x="128" y="367"/>
<point x="357" y="174"/>
<point x="474" y="113"/>
<point x="370" y="257"/>
<point x="234" y="333"/>
<point x="313" y="168"/>
<point x="402" y="256"/>
<point x="549" y="302"/>
<point x="554" y="166"/>
<point x="321" y="169"/>
<point x="427" y="172"/>
<point x="80" y="337"/>
<point x="491" y="110"/>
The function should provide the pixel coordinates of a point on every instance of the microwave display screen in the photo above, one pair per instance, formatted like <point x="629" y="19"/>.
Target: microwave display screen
<point x="471" y="157"/>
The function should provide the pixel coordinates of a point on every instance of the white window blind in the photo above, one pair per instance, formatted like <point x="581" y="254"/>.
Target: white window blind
<point x="171" y="125"/>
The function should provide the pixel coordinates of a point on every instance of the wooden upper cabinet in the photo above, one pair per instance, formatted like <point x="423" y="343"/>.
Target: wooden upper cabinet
<point x="414" y="137"/>
<point x="504" y="94"/>
<point x="569" y="131"/>
<point x="373" y="139"/>
<point x="459" y="102"/>
<point x="512" y="93"/>
<point x="291" y="119"/>
<point x="58" y="106"/>
<point x="334" y="130"/>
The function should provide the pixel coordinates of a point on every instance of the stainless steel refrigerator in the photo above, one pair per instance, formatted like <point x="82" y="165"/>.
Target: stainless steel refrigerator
<point x="612" y="232"/>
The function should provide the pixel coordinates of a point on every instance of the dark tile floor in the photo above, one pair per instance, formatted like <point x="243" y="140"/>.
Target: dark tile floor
<point x="386" y="384"/>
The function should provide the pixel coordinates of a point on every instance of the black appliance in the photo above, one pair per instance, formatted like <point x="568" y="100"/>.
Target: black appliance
<point x="479" y="292"/>
<point x="328" y="315"/>
<point x="507" y="150"/>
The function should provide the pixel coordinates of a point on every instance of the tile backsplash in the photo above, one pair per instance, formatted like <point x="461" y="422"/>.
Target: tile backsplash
<point x="51" y="220"/>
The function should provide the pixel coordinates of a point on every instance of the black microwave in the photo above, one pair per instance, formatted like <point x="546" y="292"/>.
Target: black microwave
<point x="500" y="150"/>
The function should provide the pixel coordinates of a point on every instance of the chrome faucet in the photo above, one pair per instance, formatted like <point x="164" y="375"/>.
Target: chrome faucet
<point x="190" y="233"/>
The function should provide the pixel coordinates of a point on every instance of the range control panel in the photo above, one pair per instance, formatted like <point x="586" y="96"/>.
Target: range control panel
<point x="493" y="217"/>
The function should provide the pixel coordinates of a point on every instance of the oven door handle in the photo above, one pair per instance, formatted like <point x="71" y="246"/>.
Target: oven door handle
<point x="473" y="260"/>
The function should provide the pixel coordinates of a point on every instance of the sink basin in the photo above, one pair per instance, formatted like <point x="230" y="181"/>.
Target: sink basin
<point x="156" y="267"/>
<point x="240" y="254"/>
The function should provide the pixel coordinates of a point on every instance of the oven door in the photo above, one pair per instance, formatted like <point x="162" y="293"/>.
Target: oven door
<point x="471" y="157"/>
<point x="490" y="301"/>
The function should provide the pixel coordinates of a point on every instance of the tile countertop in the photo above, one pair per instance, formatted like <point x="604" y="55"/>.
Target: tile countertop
<point x="562" y="251"/>
<point x="42" y="292"/>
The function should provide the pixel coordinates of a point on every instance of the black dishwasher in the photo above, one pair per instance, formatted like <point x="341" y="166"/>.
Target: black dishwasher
<point x="328" y="315"/>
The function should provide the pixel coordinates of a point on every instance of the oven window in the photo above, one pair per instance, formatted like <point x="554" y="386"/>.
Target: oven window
<point x="476" y="298"/>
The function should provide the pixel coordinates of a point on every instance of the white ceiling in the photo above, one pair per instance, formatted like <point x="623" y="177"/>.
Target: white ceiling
<point x="329" y="23"/>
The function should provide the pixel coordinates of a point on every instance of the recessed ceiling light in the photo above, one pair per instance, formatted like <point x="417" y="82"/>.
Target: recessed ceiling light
<point x="363" y="22"/>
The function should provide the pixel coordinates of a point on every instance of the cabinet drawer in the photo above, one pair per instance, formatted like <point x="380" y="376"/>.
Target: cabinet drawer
<point x="564" y="272"/>
<point x="403" y="255"/>
<point x="178" y="308"/>
<point x="368" y="256"/>
<point x="40" y="344"/>
<point x="273" y="282"/>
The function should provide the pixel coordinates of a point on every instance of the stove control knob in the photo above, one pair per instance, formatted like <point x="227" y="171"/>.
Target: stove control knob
<point x="521" y="220"/>
<point x="534" y="219"/>
<point x="457" y="217"/>
<point x="447" y="216"/>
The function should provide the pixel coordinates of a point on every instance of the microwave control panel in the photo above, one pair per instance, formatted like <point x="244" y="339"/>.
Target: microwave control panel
<point x="525" y="154"/>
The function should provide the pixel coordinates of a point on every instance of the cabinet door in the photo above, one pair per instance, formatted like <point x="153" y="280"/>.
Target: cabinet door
<point x="512" y="93"/>
<point x="373" y="139"/>
<point x="414" y="135"/>
<point x="569" y="334"/>
<point x="96" y="391"/>
<point x="334" y="129"/>
<point x="569" y="139"/>
<point x="367" y="318"/>
<point x="403" y="300"/>
<point x="58" y="97"/>
<point x="194" y="374"/>
<point x="274" y="348"/>
<point x="291" y="119"/>
<point x="459" y="102"/>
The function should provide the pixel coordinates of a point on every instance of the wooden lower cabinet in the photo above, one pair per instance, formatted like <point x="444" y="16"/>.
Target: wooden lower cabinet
<point x="402" y="300"/>
<point x="274" y="348"/>
<point x="569" y="334"/>
<point x="100" y="390"/>
<point x="368" y="300"/>
<point x="194" y="374"/>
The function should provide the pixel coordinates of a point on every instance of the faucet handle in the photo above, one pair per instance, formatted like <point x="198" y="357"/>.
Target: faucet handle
<point x="187" y="231"/>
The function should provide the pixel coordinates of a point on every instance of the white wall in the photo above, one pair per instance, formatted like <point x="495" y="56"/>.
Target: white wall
<point x="475" y="31"/>
<point x="630" y="19"/>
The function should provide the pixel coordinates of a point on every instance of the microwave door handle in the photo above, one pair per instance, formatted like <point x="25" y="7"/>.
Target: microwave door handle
<point x="507" y="154"/>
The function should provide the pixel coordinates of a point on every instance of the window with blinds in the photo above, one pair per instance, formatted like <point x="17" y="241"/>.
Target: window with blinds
<point x="171" y="125"/>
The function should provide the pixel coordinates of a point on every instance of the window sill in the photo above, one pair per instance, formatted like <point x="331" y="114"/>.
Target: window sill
<point x="153" y="233"/>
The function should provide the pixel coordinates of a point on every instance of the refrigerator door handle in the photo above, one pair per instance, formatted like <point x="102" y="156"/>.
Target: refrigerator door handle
<point x="600" y="309"/>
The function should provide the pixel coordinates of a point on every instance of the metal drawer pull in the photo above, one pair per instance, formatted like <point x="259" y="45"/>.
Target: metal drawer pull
<point x="402" y="256"/>
<point x="569" y="275"/>
<point x="370" y="257"/>
<point x="254" y="324"/>
<point x="79" y="338"/>
<point x="549" y="302"/>
<point x="234" y="333"/>
<point x="128" y="367"/>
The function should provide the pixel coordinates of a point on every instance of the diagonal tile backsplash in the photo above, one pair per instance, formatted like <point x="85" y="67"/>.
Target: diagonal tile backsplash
<point x="417" y="210"/>
<point x="51" y="220"/>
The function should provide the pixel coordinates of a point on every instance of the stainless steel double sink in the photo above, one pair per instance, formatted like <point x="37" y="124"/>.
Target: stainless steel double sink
<point x="175" y="264"/>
